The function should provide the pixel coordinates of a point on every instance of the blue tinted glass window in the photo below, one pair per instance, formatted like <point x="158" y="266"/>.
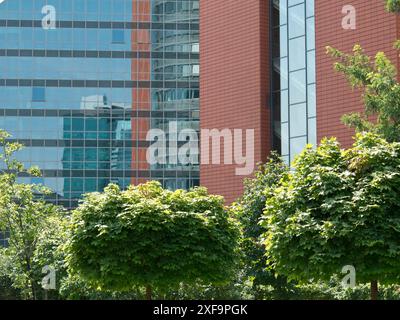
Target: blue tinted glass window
<point x="38" y="94"/>
<point x="118" y="36"/>
<point x="296" y="21"/>
<point x="296" y="71"/>
<point x="81" y="80"/>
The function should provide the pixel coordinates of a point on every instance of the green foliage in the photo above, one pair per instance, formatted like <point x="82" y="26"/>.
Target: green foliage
<point x="393" y="5"/>
<point x="381" y="91"/>
<point x="48" y="252"/>
<point x="236" y="289"/>
<point x="151" y="237"/>
<point x="250" y="208"/>
<point x="7" y="292"/>
<point x="333" y="290"/>
<point x="24" y="214"/>
<point x="338" y="208"/>
<point x="74" y="288"/>
<point x="378" y="81"/>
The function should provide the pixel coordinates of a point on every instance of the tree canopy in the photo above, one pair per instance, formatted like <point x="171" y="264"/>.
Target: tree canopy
<point x="377" y="79"/>
<point x="381" y="91"/>
<point x="151" y="237"/>
<point x="393" y="5"/>
<point x="24" y="214"/>
<point x="337" y="208"/>
<point x="249" y="209"/>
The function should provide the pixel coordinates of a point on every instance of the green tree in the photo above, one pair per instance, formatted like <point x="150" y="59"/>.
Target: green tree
<point x="153" y="238"/>
<point x="393" y="5"/>
<point x="24" y="214"/>
<point x="337" y="208"/>
<point x="249" y="209"/>
<point x="49" y="252"/>
<point x="73" y="287"/>
<point x="377" y="79"/>
<point x="7" y="291"/>
<point x="381" y="91"/>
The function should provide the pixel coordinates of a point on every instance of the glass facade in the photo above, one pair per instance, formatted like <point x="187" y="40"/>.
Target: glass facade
<point x="4" y="236"/>
<point x="82" y="97"/>
<point x="293" y="84"/>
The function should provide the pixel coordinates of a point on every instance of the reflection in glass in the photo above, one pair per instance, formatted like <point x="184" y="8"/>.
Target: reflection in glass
<point x="71" y="93"/>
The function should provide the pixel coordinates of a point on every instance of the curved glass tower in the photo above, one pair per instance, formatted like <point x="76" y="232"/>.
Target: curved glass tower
<point x="176" y="58"/>
<point x="83" y="81"/>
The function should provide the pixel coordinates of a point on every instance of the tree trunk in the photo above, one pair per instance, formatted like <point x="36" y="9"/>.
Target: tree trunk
<point x="30" y="280"/>
<point x="33" y="291"/>
<point x="374" y="290"/>
<point x="149" y="293"/>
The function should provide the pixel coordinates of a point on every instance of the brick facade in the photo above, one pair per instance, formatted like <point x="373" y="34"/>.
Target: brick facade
<point x="141" y="70"/>
<point x="376" y="30"/>
<point x="235" y="69"/>
<point x="234" y="83"/>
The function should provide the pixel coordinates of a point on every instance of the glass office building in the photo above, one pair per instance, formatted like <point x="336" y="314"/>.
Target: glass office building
<point x="293" y="85"/>
<point x="82" y="82"/>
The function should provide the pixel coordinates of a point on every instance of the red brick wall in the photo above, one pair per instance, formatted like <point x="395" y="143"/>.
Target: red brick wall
<point x="376" y="31"/>
<point x="234" y="84"/>
<point x="141" y="97"/>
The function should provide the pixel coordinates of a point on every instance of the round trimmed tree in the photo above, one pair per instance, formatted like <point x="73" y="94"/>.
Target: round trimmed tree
<point x="154" y="238"/>
<point x="337" y="208"/>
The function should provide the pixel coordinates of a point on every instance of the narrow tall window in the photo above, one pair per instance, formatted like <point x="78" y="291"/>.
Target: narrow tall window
<point x="293" y="105"/>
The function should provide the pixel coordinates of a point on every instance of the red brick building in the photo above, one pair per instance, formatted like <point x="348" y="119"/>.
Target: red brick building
<point x="376" y="30"/>
<point x="234" y="82"/>
<point x="264" y="67"/>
